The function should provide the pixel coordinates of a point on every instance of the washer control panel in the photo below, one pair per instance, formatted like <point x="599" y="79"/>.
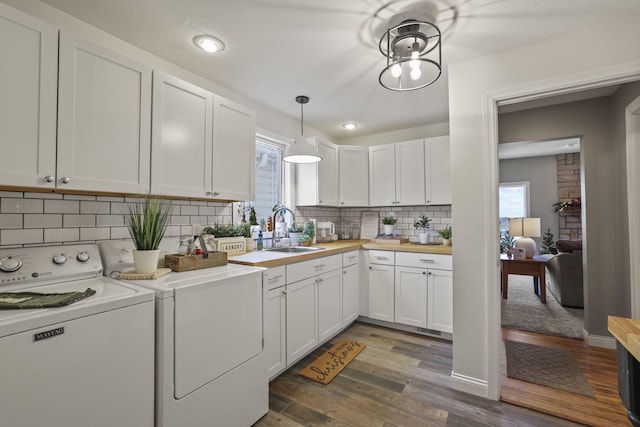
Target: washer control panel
<point x="44" y="263"/>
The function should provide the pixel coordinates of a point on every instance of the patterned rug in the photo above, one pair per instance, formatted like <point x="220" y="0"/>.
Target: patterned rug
<point x="523" y="310"/>
<point x="546" y="366"/>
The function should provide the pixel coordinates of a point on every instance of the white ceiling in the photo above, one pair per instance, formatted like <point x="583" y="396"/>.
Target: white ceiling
<point x="327" y="49"/>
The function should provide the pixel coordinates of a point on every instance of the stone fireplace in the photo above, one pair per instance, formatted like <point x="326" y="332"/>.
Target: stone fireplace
<point x="568" y="189"/>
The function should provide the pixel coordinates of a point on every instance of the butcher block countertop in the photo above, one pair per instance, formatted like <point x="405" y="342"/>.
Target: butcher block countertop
<point x="275" y="259"/>
<point x="627" y="332"/>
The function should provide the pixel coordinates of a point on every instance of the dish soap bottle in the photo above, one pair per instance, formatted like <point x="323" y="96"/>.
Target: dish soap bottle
<point x="259" y="243"/>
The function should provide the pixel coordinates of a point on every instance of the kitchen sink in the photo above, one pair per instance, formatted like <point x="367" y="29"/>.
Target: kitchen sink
<point x="295" y="249"/>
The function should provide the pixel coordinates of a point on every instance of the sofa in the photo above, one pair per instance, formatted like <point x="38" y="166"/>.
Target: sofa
<point x="564" y="273"/>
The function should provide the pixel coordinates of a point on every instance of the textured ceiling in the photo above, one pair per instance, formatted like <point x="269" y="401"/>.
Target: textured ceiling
<point x="327" y="49"/>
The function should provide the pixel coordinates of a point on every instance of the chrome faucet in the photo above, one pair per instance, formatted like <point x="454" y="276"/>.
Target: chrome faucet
<point x="281" y="209"/>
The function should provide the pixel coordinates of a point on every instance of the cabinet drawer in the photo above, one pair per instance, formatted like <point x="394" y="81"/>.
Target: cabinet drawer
<point x="276" y="277"/>
<point x="412" y="259"/>
<point x="381" y="257"/>
<point x="305" y="269"/>
<point x="350" y="258"/>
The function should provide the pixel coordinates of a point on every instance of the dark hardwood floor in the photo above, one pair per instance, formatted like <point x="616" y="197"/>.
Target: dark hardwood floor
<point x="400" y="379"/>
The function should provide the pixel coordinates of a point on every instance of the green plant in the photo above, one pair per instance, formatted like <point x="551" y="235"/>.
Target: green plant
<point x="560" y="206"/>
<point x="226" y="230"/>
<point x="297" y="229"/>
<point x="446" y="233"/>
<point x="389" y="220"/>
<point x="548" y="245"/>
<point x="146" y="221"/>
<point x="309" y="230"/>
<point x="303" y="238"/>
<point x="253" y="220"/>
<point x="422" y="223"/>
<point x="506" y="241"/>
<point x="263" y="221"/>
<point x="246" y="229"/>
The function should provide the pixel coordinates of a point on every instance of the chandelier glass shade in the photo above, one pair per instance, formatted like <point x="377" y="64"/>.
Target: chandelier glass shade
<point x="413" y="54"/>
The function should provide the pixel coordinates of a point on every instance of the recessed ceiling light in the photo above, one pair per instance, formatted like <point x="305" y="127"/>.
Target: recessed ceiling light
<point x="350" y="126"/>
<point x="208" y="43"/>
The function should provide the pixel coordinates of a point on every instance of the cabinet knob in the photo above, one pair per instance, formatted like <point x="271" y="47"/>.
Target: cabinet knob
<point x="320" y="201"/>
<point x="65" y="180"/>
<point x="215" y="193"/>
<point x="208" y="193"/>
<point x="429" y="273"/>
<point x="370" y="268"/>
<point x="424" y="272"/>
<point x="48" y="178"/>
<point x="342" y="203"/>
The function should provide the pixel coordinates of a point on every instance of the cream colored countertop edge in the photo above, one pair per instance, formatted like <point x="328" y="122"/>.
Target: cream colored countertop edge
<point x="627" y="332"/>
<point x="274" y="259"/>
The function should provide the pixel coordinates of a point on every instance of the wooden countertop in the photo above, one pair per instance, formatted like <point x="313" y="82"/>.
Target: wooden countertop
<point x="275" y="259"/>
<point x="627" y="332"/>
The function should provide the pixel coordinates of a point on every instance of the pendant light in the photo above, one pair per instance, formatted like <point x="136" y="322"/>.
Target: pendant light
<point x="301" y="151"/>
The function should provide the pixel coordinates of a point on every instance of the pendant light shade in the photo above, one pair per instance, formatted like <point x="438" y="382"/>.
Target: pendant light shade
<point x="301" y="151"/>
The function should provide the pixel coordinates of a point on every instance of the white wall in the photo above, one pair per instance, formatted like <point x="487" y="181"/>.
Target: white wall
<point x="474" y="86"/>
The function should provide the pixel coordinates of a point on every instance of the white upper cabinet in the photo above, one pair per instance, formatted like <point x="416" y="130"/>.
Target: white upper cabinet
<point x="234" y="151"/>
<point x="438" y="170"/>
<point x="28" y="84"/>
<point x="104" y="119"/>
<point x="354" y="175"/>
<point x="396" y="174"/>
<point x="182" y="137"/>
<point x="317" y="183"/>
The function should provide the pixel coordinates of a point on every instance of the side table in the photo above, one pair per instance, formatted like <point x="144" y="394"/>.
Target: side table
<point x="527" y="267"/>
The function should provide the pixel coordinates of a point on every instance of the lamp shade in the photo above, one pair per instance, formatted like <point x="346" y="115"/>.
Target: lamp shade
<point x="525" y="227"/>
<point x="301" y="152"/>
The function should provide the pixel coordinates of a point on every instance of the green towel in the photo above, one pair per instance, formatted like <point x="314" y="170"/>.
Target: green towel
<point x="17" y="300"/>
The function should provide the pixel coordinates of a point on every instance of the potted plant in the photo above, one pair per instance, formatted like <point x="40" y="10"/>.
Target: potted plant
<point x="294" y="234"/>
<point x="389" y="222"/>
<point x="423" y="224"/>
<point x="146" y="221"/>
<point x="304" y="240"/>
<point x="446" y="236"/>
<point x="310" y="230"/>
<point x="229" y="238"/>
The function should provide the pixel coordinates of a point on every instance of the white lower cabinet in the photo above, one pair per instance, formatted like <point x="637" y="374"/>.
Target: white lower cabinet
<point x="411" y="296"/>
<point x="350" y="293"/>
<point x="302" y="319"/>
<point x="275" y="326"/>
<point x="329" y="304"/>
<point x="440" y="300"/>
<point x="381" y="292"/>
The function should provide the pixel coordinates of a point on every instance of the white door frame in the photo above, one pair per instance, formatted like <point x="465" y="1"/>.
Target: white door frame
<point x="632" y="119"/>
<point x="598" y="78"/>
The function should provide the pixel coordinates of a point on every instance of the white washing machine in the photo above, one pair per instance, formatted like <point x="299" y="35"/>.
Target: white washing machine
<point x="85" y="364"/>
<point x="210" y="369"/>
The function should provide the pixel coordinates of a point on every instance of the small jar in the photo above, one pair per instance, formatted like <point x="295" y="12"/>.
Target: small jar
<point x="186" y="245"/>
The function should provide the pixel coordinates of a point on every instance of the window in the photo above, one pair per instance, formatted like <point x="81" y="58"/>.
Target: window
<point x="514" y="202"/>
<point x="269" y="176"/>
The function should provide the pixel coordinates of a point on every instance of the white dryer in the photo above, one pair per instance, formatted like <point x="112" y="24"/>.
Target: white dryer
<point x="85" y="364"/>
<point x="210" y="369"/>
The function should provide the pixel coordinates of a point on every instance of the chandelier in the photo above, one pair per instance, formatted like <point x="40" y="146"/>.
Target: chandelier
<point x="412" y="49"/>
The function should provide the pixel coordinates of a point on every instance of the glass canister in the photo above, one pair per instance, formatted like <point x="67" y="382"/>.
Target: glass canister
<point x="355" y="231"/>
<point x="345" y="231"/>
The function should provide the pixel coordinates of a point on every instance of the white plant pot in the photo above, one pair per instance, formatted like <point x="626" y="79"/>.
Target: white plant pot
<point x="446" y="242"/>
<point x="146" y="262"/>
<point x="423" y="238"/>
<point x="293" y="239"/>
<point x="388" y="229"/>
<point x="248" y="244"/>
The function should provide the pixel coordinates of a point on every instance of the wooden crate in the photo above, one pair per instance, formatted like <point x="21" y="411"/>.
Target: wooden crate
<point x="177" y="262"/>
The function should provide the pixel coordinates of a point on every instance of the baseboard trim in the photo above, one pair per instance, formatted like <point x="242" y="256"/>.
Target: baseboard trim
<point x="599" y="341"/>
<point x="469" y="385"/>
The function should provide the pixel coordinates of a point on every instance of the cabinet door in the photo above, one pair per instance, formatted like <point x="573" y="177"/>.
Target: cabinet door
<point x="104" y="119"/>
<point x="440" y="313"/>
<point x="381" y="292"/>
<point x="350" y="293"/>
<point x="410" y="173"/>
<point x="182" y="137"/>
<point x="438" y="171"/>
<point x="234" y="151"/>
<point x="411" y="296"/>
<point x="329" y="304"/>
<point x="327" y="174"/>
<point x="302" y="319"/>
<point x="275" y="349"/>
<point x="354" y="176"/>
<point x="382" y="175"/>
<point x="28" y="84"/>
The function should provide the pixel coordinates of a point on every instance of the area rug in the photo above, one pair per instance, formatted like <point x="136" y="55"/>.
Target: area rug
<point x="326" y="367"/>
<point x="550" y="367"/>
<point x="523" y="310"/>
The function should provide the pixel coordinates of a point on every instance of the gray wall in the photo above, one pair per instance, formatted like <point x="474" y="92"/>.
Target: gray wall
<point x="541" y="173"/>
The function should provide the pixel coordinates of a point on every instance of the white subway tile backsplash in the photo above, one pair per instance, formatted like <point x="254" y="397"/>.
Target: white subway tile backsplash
<point x="42" y="220"/>
<point x="42" y="196"/>
<point x="78" y="197"/>
<point x="100" y="233"/>
<point x="79" y="221"/>
<point x="62" y="206"/>
<point x="14" y="194"/>
<point x="10" y="221"/>
<point x="87" y="207"/>
<point x="11" y="205"/>
<point x="109" y="220"/>
<point x="55" y="235"/>
<point x="180" y="220"/>
<point x="109" y="199"/>
<point x="118" y="208"/>
<point x="120" y="233"/>
<point x="20" y="237"/>
<point x="187" y="210"/>
<point x="206" y="210"/>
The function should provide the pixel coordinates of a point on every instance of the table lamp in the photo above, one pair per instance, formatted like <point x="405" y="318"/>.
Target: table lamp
<point x="525" y="228"/>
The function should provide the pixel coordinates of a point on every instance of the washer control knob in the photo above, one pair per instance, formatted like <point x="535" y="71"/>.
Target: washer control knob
<point x="10" y="264"/>
<point x="59" y="259"/>
<point x="83" y="257"/>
